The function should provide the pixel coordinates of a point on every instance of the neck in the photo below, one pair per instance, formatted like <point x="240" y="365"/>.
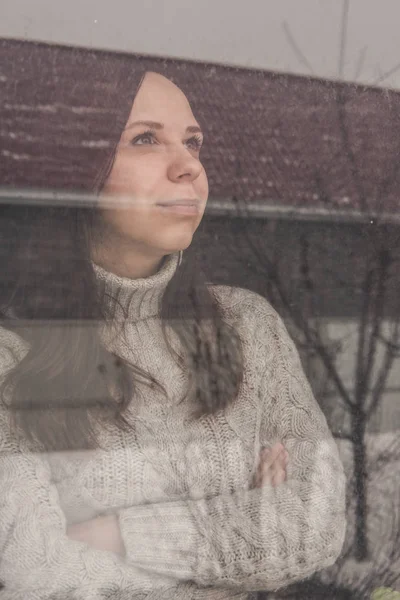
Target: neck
<point x="135" y="297"/>
<point x="132" y="263"/>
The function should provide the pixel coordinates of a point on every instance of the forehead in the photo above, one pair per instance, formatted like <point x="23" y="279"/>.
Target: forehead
<point x="160" y="99"/>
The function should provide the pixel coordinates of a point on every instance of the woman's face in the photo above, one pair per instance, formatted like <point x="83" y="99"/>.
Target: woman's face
<point x="158" y="163"/>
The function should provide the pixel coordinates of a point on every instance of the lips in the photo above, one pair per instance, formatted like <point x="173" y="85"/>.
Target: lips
<point x="184" y="207"/>
<point x="180" y="202"/>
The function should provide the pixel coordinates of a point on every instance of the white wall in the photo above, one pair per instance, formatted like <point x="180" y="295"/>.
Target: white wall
<point x="387" y="416"/>
<point x="243" y="32"/>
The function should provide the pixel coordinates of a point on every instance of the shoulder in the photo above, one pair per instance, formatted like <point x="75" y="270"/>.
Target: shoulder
<point x="259" y="325"/>
<point x="243" y="304"/>
<point x="12" y="349"/>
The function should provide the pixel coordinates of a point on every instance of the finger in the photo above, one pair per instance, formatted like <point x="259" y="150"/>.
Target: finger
<point x="282" y="461"/>
<point x="77" y="534"/>
<point x="257" y="478"/>
<point x="275" y="448"/>
<point x="270" y="471"/>
<point x="273" y="478"/>
<point x="268" y="457"/>
<point x="272" y="461"/>
<point x="279" y="478"/>
<point x="272" y="464"/>
<point x="267" y="475"/>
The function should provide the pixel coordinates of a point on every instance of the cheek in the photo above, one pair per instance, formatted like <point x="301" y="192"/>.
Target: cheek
<point x="201" y="186"/>
<point x="136" y="223"/>
<point x="137" y="177"/>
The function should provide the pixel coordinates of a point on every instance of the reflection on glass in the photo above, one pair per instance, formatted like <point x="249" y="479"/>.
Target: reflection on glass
<point x="158" y="435"/>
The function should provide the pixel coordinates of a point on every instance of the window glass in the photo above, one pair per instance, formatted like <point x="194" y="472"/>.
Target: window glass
<point x="199" y="300"/>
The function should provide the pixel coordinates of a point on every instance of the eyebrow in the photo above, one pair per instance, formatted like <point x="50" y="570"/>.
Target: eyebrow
<point x="155" y="125"/>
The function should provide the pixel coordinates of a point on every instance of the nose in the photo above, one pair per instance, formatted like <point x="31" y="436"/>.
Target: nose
<point x="183" y="166"/>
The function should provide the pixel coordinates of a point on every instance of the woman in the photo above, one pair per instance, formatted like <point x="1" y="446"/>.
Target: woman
<point x="158" y="436"/>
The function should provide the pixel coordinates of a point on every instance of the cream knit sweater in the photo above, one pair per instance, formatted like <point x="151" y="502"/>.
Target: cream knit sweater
<point x="192" y="525"/>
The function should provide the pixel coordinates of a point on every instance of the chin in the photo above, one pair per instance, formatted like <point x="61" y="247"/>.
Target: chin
<point x="177" y="245"/>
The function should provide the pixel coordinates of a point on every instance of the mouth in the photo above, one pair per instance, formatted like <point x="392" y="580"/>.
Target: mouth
<point x="181" y="206"/>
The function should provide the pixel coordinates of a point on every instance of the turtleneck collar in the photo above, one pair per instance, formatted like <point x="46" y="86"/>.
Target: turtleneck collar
<point x="136" y="299"/>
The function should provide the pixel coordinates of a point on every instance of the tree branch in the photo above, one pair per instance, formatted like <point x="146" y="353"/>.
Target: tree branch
<point x="343" y="37"/>
<point x="293" y="44"/>
<point x="387" y="74"/>
<point x="343" y="128"/>
<point x="312" y="337"/>
<point x="377" y="316"/>
<point x="360" y="388"/>
<point x="360" y="63"/>
<point x="384" y="370"/>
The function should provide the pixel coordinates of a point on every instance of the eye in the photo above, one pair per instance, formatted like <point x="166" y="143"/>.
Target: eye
<point x="144" y="139"/>
<point x="195" y="143"/>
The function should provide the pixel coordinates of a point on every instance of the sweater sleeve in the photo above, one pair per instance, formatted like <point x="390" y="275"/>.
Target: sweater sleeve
<point x="264" y="538"/>
<point x="37" y="559"/>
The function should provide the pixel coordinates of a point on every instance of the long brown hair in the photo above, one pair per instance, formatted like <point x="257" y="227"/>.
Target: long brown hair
<point x="63" y="114"/>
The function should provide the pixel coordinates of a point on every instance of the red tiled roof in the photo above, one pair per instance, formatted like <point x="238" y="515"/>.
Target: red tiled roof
<point x="288" y="140"/>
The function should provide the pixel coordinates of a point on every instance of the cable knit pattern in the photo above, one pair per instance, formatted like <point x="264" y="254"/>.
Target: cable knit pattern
<point x="192" y="525"/>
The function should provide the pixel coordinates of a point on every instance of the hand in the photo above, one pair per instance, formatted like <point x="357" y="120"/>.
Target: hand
<point x="272" y="466"/>
<point x="102" y="533"/>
